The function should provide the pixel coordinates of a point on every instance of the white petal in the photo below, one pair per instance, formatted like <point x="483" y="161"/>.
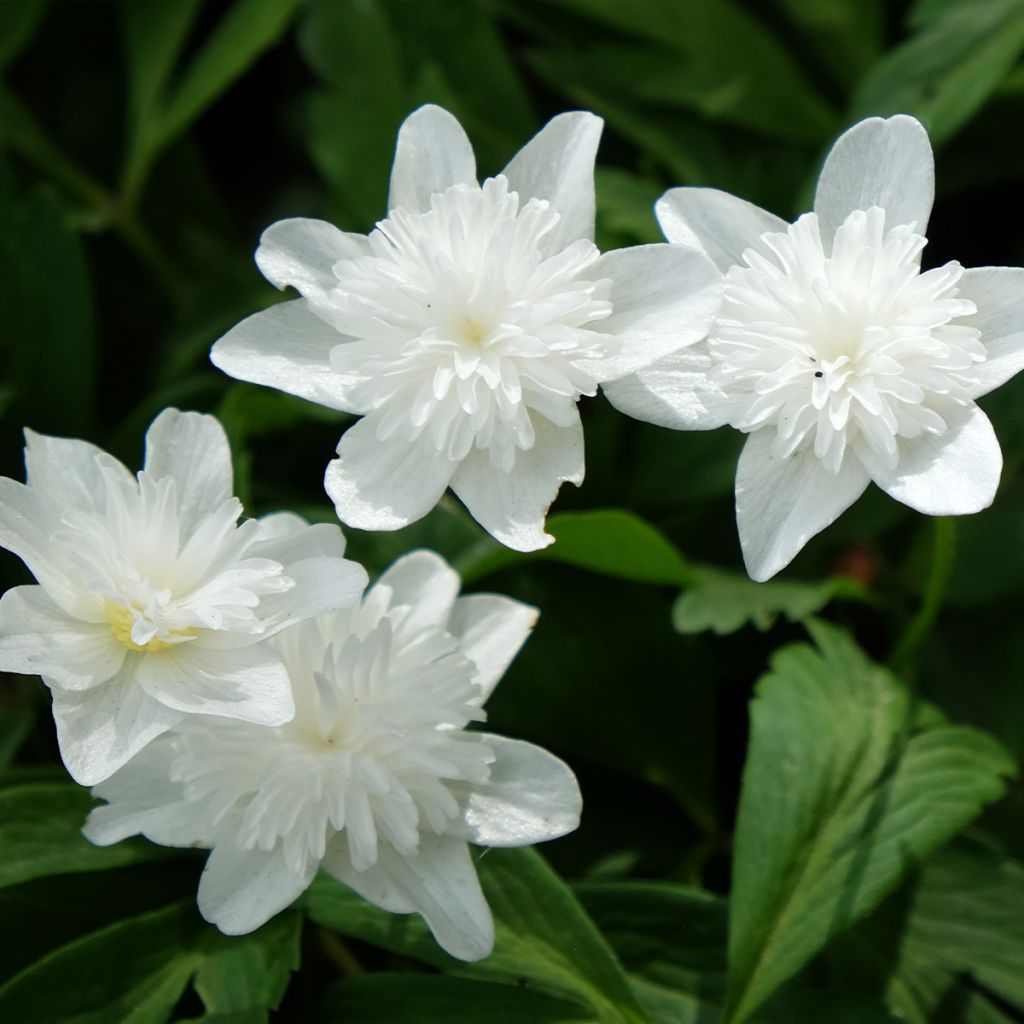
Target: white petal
<point x="512" y="506"/>
<point x="432" y="154"/>
<point x="38" y="638"/>
<point x="717" y="223"/>
<point x="242" y="889"/>
<point x="248" y="683"/>
<point x="321" y="585"/>
<point x="952" y="475"/>
<point x="286" y="537"/>
<point x="193" y="449"/>
<point x="385" y="485"/>
<point x="998" y="292"/>
<point x="426" y="583"/>
<point x="286" y="347"/>
<point x="142" y="800"/>
<point x="782" y="503"/>
<point x="885" y="162"/>
<point x="557" y="164"/>
<point x="374" y="884"/>
<point x="490" y="630"/>
<point x="677" y="391"/>
<point x="531" y="797"/>
<point x="664" y="297"/>
<point x="66" y="472"/>
<point x="99" y="730"/>
<point x="301" y="252"/>
<point x="440" y="882"/>
<point x="27" y="521"/>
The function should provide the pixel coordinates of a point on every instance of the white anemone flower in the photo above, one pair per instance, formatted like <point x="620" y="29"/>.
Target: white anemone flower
<point x="465" y="328"/>
<point x="153" y="602"/>
<point x="376" y="780"/>
<point x="835" y="352"/>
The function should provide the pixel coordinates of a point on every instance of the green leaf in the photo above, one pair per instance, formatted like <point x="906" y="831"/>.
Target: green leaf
<point x="47" y="347"/>
<point x="249" y="972"/>
<point x="947" y="71"/>
<point x="18" y="22"/>
<point x="724" y="602"/>
<point x="543" y="935"/>
<point x="18" y="704"/>
<point x="133" y="973"/>
<point x="848" y="785"/>
<point x="710" y="55"/>
<point x="609" y="541"/>
<point x="417" y="999"/>
<point x="40" y="834"/>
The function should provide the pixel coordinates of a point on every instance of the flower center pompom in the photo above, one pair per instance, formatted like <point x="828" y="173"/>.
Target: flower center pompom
<point x="156" y="588"/>
<point x="848" y="350"/>
<point x="465" y="322"/>
<point x="377" y="738"/>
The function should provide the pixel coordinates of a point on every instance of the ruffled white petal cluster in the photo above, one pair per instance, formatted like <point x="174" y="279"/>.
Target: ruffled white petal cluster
<point x="467" y="326"/>
<point x="835" y="352"/>
<point x="153" y="602"/>
<point x="376" y="779"/>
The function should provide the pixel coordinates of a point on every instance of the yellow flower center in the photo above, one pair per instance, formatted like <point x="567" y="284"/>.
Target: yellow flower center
<point x="121" y="619"/>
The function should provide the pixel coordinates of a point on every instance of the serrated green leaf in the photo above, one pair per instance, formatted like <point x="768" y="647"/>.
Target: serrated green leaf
<point x="848" y="785"/>
<point x="946" y="72"/>
<point x="415" y="999"/>
<point x="724" y="602"/>
<point x="543" y="935"/>
<point x="249" y="973"/>
<point x="40" y="834"/>
<point x="611" y="541"/>
<point x="133" y="973"/>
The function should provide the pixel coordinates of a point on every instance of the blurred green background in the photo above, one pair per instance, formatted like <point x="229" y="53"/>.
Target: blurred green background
<point x="144" y="146"/>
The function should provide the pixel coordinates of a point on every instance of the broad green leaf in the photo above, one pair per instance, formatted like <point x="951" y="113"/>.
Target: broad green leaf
<point x="249" y="972"/>
<point x="133" y="972"/>
<point x="418" y="999"/>
<point x="724" y="602"/>
<point x="609" y="541"/>
<point x="18" y="21"/>
<point x="849" y="784"/>
<point x="712" y="56"/>
<point x="47" y="347"/>
<point x="40" y="834"/>
<point x="946" y="72"/>
<point x="543" y="935"/>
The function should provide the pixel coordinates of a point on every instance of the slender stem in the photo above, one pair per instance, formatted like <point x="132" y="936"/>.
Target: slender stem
<point x="943" y="551"/>
<point x="337" y="951"/>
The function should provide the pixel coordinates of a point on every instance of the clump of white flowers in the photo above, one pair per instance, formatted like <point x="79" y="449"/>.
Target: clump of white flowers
<point x="153" y="602"/>
<point x="467" y="326"/>
<point x="835" y="352"/>
<point x="376" y="779"/>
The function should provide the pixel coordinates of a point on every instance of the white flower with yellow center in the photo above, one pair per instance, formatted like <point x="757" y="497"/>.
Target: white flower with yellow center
<point x="466" y="327"/>
<point x="153" y="600"/>
<point x="835" y="352"/>
<point x="376" y="780"/>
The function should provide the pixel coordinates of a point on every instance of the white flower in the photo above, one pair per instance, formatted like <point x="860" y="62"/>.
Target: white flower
<point x="466" y="327"/>
<point x="842" y="359"/>
<point x="376" y="780"/>
<point x="152" y="600"/>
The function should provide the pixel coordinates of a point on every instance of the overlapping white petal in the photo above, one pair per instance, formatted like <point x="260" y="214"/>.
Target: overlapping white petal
<point x="376" y="779"/>
<point x="467" y="327"/>
<point x="153" y="602"/>
<point x="842" y="359"/>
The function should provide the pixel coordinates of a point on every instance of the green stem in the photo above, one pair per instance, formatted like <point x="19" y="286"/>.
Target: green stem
<point x="943" y="551"/>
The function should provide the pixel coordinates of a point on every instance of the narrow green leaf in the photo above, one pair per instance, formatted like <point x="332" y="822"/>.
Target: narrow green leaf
<point x="133" y="973"/>
<point x="249" y="972"/>
<point x="417" y="999"/>
<point x="724" y="602"/>
<point x="848" y="785"/>
<point x="609" y="541"/>
<point x="946" y="72"/>
<point x="18" y="22"/>
<point x="40" y="834"/>
<point x="543" y="935"/>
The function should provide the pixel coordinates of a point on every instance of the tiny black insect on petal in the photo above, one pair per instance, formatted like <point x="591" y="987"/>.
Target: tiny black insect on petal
<point x="818" y="373"/>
